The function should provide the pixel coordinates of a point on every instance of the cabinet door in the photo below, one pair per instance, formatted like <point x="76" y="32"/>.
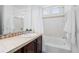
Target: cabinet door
<point x="39" y="44"/>
<point x="29" y="48"/>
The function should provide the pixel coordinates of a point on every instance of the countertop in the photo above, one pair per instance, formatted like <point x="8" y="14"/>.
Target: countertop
<point x="12" y="44"/>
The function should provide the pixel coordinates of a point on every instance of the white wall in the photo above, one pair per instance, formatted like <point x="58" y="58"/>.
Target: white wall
<point x="37" y="22"/>
<point x="28" y="18"/>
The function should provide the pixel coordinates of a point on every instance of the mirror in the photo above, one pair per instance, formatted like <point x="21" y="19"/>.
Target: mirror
<point x="13" y="18"/>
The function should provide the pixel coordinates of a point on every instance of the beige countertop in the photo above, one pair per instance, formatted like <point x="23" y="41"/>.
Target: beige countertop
<point x="12" y="44"/>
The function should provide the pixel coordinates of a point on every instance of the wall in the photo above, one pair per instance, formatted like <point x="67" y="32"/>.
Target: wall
<point x="37" y="22"/>
<point x="28" y="18"/>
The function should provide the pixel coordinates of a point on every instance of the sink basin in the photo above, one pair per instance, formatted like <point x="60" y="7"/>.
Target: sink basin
<point x="28" y="35"/>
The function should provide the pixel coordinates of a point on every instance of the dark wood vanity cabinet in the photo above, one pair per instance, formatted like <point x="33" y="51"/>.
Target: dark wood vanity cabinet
<point x="39" y="44"/>
<point x="33" y="47"/>
<point x="30" y="48"/>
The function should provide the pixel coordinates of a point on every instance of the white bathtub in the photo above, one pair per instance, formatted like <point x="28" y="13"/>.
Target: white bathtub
<point x="54" y="44"/>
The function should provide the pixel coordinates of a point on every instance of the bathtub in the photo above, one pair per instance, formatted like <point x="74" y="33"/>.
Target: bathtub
<point x="54" y="44"/>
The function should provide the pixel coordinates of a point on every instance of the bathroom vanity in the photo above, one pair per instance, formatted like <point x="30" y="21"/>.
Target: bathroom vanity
<point x="25" y="43"/>
<point x="33" y="47"/>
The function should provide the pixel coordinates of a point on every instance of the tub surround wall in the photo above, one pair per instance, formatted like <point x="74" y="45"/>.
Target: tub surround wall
<point x="54" y="26"/>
